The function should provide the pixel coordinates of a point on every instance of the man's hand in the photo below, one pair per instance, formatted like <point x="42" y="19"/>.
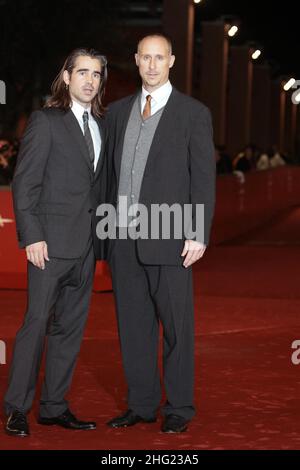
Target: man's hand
<point x="37" y="253"/>
<point x="192" y="251"/>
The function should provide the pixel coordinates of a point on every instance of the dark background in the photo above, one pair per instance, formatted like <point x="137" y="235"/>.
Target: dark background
<point x="273" y="24"/>
<point x="36" y="36"/>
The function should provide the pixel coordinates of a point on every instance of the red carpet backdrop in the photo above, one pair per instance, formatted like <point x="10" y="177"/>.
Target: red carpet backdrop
<point x="247" y="316"/>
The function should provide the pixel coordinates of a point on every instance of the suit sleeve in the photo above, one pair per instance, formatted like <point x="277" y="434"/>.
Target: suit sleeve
<point x="28" y="178"/>
<point x="203" y="172"/>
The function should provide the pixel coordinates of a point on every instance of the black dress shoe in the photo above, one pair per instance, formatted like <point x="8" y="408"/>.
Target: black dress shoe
<point x="17" y="425"/>
<point x="129" y="418"/>
<point x="67" y="420"/>
<point x="174" y="423"/>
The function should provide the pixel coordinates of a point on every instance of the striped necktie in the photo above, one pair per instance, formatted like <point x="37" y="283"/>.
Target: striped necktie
<point x="88" y="136"/>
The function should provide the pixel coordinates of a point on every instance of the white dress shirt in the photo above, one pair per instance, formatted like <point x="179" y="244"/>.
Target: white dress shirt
<point x="159" y="97"/>
<point x="78" y="111"/>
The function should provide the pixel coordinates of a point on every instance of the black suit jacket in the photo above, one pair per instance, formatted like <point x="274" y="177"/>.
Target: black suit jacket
<point x="55" y="189"/>
<point x="180" y="167"/>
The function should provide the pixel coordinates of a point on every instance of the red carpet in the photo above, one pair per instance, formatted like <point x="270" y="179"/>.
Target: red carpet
<point x="247" y="389"/>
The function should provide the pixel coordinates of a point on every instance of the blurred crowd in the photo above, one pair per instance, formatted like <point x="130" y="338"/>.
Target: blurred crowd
<point x="249" y="159"/>
<point x="8" y="157"/>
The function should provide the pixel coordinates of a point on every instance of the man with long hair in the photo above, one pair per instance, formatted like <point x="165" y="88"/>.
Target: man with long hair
<point x="57" y="186"/>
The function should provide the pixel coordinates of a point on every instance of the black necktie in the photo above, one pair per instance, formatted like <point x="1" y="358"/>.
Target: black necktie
<point x="88" y="137"/>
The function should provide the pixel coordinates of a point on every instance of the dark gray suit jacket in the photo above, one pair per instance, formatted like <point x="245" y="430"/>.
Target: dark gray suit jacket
<point x="55" y="189"/>
<point x="180" y="167"/>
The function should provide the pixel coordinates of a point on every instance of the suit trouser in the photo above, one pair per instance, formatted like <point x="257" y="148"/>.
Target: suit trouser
<point x="146" y="295"/>
<point x="58" y="303"/>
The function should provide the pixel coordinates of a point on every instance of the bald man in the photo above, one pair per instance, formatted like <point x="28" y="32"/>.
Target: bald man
<point x="160" y="152"/>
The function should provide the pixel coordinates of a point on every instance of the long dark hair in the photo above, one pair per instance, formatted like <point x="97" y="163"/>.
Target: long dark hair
<point x="61" y="98"/>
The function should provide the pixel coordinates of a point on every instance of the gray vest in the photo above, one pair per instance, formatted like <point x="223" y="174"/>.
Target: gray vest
<point x="137" y="142"/>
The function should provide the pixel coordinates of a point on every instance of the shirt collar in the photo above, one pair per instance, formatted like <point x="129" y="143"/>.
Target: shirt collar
<point x="78" y="110"/>
<point x="159" y="94"/>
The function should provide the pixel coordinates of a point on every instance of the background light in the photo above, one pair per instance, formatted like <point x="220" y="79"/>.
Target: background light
<point x="289" y="84"/>
<point x="297" y="97"/>
<point x="256" y="54"/>
<point x="232" y="31"/>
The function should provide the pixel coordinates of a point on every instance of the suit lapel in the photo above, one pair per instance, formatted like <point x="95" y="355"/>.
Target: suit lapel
<point x="77" y="136"/>
<point x="163" y="129"/>
<point x="103" y="143"/>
